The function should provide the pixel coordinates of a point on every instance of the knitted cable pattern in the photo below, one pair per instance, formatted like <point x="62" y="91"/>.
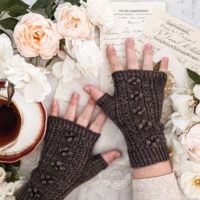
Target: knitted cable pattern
<point x="66" y="161"/>
<point x="136" y="108"/>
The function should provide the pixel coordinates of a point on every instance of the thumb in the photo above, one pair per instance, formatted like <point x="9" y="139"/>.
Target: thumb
<point x="112" y="155"/>
<point x="98" y="163"/>
<point x="94" y="92"/>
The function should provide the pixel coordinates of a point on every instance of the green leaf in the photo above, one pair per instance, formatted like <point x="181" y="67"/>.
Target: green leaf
<point x="74" y="2"/>
<point x="13" y="177"/>
<point x="9" y="23"/>
<point x="193" y="76"/>
<point x="48" y="6"/>
<point x="2" y="165"/>
<point x="42" y="4"/>
<point x="17" y="164"/>
<point x="18" y="8"/>
<point x="4" y="4"/>
<point x="157" y="66"/>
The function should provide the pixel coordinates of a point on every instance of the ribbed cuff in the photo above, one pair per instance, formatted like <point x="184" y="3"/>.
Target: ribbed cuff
<point x="148" y="155"/>
<point x="142" y="74"/>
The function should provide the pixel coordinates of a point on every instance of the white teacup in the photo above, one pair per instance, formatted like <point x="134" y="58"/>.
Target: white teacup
<point x="32" y="130"/>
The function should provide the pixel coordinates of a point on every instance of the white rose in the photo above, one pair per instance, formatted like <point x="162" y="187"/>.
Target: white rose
<point x="2" y="175"/>
<point x="73" y="22"/>
<point x="190" y="181"/>
<point x="36" y="36"/>
<point x="179" y="155"/>
<point x="182" y="103"/>
<point x="88" y="56"/>
<point x="7" y="190"/>
<point x="100" y="13"/>
<point x="191" y="142"/>
<point x="30" y="79"/>
<point x="6" y="52"/>
<point x="196" y="91"/>
<point x="180" y="122"/>
<point x="197" y="109"/>
<point x="67" y="70"/>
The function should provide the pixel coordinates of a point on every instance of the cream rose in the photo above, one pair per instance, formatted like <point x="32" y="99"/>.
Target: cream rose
<point x="36" y="36"/>
<point x="73" y="22"/>
<point x="196" y="91"/>
<point x="88" y="56"/>
<point x="191" y="142"/>
<point x="100" y="14"/>
<point x="6" y="53"/>
<point x="190" y="181"/>
<point x="2" y="175"/>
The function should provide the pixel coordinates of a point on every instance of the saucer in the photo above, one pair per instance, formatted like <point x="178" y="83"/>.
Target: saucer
<point x="32" y="131"/>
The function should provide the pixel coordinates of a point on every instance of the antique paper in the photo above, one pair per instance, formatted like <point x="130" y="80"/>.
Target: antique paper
<point x="130" y="18"/>
<point x="183" y="40"/>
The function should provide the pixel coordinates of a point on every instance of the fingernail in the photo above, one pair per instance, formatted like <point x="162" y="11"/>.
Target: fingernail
<point x="130" y="39"/>
<point x="75" y="95"/>
<point x="149" y="46"/>
<point x="166" y="59"/>
<point x="118" y="155"/>
<point x="55" y="102"/>
<point x="110" y="47"/>
<point x="87" y="89"/>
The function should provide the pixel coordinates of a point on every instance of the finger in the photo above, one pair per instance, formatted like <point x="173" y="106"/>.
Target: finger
<point x="72" y="107"/>
<point x="94" y="92"/>
<point x="164" y="64"/>
<point x="110" y="156"/>
<point x="131" y="57"/>
<point x="98" y="123"/>
<point x="55" y="108"/>
<point x="85" y="116"/>
<point x="148" y="57"/>
<point x="113" y="59"/>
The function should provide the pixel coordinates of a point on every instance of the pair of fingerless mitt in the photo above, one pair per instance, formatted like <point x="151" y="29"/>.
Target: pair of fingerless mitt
<point x="67" y="161"/>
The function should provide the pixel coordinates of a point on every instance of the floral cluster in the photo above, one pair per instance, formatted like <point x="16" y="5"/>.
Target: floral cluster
<point x="10" y="182"/>
<point x="67" y="39"/>
<point x="183" y="134"/>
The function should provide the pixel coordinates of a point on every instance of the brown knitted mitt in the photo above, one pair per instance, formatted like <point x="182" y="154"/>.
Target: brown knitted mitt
<point x="136" y="108"/>
<point x="66" y="162"/>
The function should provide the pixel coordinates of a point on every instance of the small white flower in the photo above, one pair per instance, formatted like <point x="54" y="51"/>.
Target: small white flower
<point x="67" y="70"/>
<point x="88" y="56"/>
<point x="197" y="110"/>
<point x="7" y="190"/>
<point x="100" y="13"/>
<point x="179" y="122"/>
<point x="190" y="181"/>
<point x="2" y="175"/>
<point x="30" y="79"/>
<point x="191" y="142"/>
<point x="6" y="52"/>
<point x="182" y="103"/>
<point x="196" y="91"/>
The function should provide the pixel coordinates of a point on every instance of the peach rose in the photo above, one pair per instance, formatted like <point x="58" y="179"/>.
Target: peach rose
<point x="36" y="36"/>
<point x="73" y="22"/>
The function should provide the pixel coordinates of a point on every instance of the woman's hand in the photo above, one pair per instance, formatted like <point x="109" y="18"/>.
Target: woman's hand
<point x="84" y="120"/>
<point x="136" y="108"/>
<point x="66" y="159"/>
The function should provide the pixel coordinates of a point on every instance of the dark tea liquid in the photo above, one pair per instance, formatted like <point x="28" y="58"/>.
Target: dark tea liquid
<point x="10" y="123"/>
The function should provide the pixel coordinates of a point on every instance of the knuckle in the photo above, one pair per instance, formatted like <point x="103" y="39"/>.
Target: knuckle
<point x="97" y="124"/>
<point x="131" y="60"/>
<point x="84" y="117"/>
